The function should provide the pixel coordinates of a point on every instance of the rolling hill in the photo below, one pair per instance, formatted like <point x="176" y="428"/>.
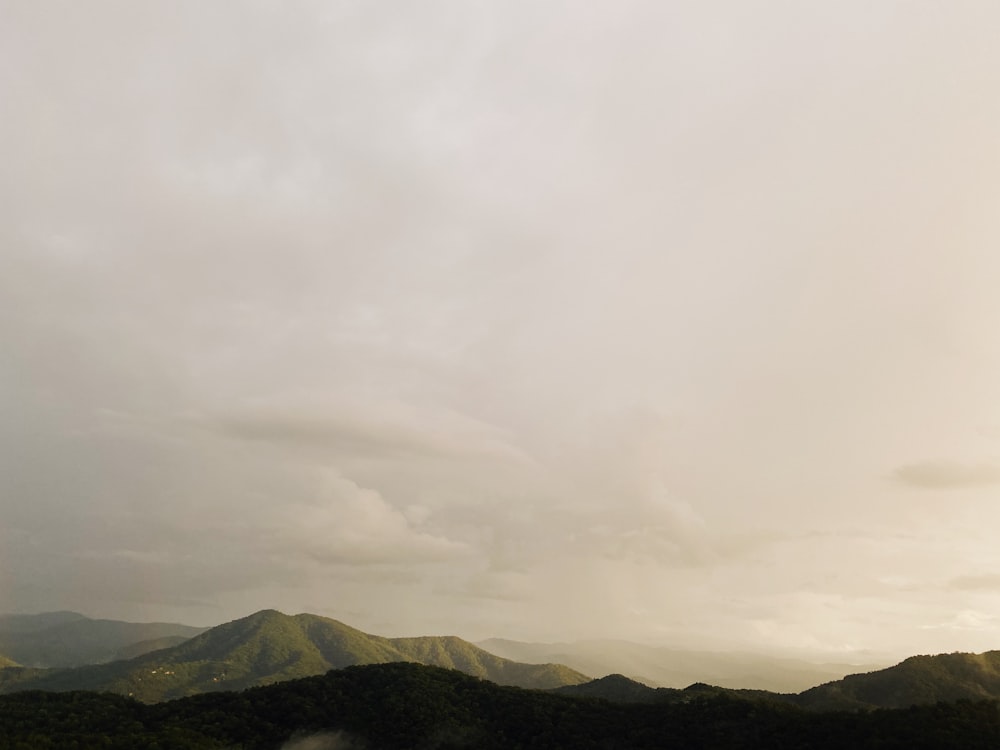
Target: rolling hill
<point x="69" y="639"/>
<point x="269" y="647"/>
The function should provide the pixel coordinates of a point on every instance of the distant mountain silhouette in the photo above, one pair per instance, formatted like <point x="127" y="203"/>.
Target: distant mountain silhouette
<point x="269" y="647"/>
<point x="617" y="688"/>
<point x="919" y="680"/>
<point x="677" y="668"/>
<point x="34" y="623"/>
<point x="69" y="639"/>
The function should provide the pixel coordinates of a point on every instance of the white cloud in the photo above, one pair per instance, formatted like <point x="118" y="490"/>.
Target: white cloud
<point x="352" y="525"/>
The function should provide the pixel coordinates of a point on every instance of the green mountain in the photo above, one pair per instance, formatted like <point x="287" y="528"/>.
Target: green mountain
<point x="269" y="647"/>
<point x="69" y="639"/>
<point x="454" y="653"/>
<point x="917" y="680"/>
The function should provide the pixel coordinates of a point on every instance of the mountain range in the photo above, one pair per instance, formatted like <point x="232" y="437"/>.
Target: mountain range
<point x="677" y="668"/>
<point x="69" y="639"/>
<point x="919" y="680"/>
<point x="269" y="647"/>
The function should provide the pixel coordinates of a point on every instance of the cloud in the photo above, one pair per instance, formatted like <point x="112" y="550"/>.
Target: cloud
<point x="353" y="525"/>
<point x="967" y="619"/>
<point x="499" y="585"/>
<point x="469" y="259"/>
<point x="944" y="475"/>
<point x="656" y="528"/>
<point x="982" y="582"/>
<point x="383" y="429"/>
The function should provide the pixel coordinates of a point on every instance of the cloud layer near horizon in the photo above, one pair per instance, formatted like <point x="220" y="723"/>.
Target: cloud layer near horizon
<point x="514" y="319"/>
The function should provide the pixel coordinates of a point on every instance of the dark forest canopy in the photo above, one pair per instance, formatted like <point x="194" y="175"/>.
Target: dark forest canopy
<point x="400" y="705"/>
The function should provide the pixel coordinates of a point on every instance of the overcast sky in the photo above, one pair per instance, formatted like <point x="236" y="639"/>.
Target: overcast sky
<point x="672" y="321"/>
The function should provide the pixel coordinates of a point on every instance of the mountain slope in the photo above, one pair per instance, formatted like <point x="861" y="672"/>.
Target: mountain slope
<point x="917" y="680"/>
<point x="153" y="644"/>
<point x="454" y="653"/>
<point x="270" y="647"/>
<point x="69" y="639"/>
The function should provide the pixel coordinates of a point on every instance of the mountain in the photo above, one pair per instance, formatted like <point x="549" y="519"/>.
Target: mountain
<point x="917" y="680"/>
<point x="666" y="667"/>
<point x="454" y="653"/>
<point x="6" y="662"/>
<point x="69" y="639"/>
<point x="271" y="647"/>
<point x="616" y="688"/>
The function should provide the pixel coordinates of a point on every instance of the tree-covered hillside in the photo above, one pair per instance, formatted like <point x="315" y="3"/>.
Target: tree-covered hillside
<point x="400" y="705"/>
<point x="917" y="680"/>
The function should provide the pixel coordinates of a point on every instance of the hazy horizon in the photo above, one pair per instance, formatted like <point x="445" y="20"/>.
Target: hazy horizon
<point x="673" y="322"/>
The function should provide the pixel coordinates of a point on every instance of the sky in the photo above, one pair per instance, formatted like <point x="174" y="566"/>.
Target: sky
<point x="673" y="321"/>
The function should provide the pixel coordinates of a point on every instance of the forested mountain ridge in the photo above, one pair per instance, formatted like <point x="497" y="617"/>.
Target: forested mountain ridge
<point x="271" y="647"/>
<point x="409" y="706"/>
<point x="917" y="680"/>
